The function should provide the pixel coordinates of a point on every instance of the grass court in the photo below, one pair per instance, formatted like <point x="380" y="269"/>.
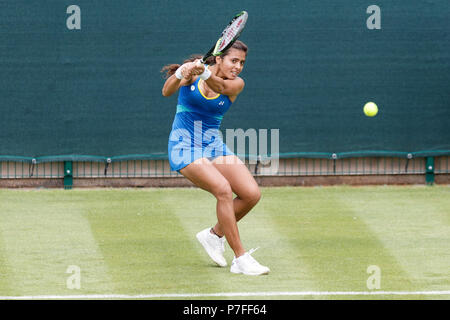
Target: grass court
<point x="140" y="243"/>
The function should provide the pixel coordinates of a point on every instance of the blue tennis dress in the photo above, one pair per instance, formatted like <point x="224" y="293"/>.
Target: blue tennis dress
<point x="195" y="130"/>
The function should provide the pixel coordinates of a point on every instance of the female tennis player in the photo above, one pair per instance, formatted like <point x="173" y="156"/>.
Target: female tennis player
<point x="197" y="151"/>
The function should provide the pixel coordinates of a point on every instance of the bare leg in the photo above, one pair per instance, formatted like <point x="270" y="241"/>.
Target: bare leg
<point x="243" y="185"/>
<point x="204" y="175"/>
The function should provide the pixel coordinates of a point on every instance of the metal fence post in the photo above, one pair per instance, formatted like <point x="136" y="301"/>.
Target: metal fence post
<point x="68" y="175"/>
<point x="429" y="170"/>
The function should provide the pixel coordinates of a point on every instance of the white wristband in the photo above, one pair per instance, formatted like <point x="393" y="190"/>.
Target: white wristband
<point x="178" y="74"/>
<point x="206" y="74"/>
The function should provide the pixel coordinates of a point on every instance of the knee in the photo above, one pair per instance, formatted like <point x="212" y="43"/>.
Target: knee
<point x="223" y="191"/>
<point x="253" y="196"/>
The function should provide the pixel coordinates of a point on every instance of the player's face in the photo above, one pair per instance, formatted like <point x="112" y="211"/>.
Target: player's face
<point x="231" y="65"/>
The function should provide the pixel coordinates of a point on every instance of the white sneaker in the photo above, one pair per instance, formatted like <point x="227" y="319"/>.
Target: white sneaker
<point x="213" y="245"/>
<point x="246" y="264"/>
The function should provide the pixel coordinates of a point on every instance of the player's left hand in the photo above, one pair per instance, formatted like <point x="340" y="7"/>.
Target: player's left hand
<point x="198" y="67"/>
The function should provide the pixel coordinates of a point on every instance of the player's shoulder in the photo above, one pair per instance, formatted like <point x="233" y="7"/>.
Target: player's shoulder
<point x="239" y="82"/>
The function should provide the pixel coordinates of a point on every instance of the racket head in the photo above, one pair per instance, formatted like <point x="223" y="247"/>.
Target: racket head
<point x="229" y="35"/>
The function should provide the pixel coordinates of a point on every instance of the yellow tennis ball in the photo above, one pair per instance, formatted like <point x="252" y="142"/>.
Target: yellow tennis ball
<point x="370" y="109"/>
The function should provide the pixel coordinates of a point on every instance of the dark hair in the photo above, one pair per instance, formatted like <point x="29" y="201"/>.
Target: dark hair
<point x="171" y="68"/>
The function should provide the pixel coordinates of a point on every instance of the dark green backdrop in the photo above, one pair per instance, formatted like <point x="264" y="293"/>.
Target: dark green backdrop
<point x="96" y="92"/>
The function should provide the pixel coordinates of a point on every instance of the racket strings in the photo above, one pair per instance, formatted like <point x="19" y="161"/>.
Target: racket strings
<point x="231" y="32"/>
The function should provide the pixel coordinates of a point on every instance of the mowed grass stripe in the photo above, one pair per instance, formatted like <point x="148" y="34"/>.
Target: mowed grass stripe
<point x="413" y="224"/>
<point x="4" y="272"/>
<point x="145" y="245"/>
<point x="336" y="247"/>
<point x="288" y="270"/>
<point x="43" y="233"/>
<point x="197" y="210"/>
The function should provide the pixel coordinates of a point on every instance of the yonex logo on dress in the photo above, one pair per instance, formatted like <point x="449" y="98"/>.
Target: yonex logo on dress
<point x="221" y="103"/>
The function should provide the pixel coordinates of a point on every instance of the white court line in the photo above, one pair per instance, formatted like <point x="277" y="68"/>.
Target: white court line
<point x="228" y="294"/>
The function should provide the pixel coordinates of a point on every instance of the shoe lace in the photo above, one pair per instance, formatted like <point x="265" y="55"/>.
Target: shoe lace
<point x="250" y="258"/>
<point x="252" y="250"/>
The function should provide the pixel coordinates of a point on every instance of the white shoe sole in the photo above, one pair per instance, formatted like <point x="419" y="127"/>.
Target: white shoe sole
<point x="205" y="245"/>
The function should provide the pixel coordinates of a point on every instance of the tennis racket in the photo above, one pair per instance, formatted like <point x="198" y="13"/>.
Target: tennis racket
<point x="229" y="35"/>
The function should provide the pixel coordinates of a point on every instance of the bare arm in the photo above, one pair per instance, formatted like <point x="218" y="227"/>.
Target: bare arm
<point x="171" y="85"/>
<point x="229" y="87"/>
